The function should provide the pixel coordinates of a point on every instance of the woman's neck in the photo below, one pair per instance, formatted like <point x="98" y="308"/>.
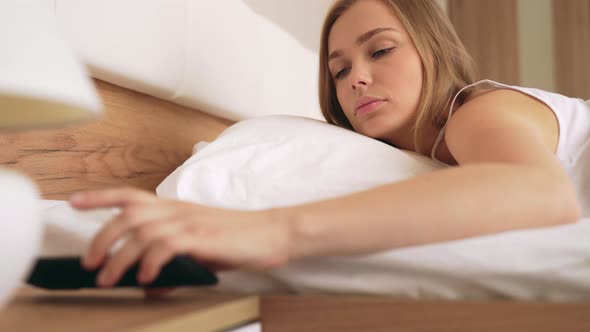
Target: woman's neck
<point x="404" y="139"/>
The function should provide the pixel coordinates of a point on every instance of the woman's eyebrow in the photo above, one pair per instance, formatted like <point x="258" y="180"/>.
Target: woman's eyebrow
<point x="362" y="39"/>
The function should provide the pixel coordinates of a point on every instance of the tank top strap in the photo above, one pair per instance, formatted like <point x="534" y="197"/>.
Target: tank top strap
<point x="441" y="134"/>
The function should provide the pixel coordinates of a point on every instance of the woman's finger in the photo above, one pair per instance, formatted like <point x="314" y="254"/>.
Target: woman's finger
<point x="119" y="263"/>
<point x="129" y="254"/>
<point x="105" y="239"/>
<point x="164" y="250"/>
<point x="130" y="218"/>
<point x="159" y="254"/>
<point x="120" y="197"/>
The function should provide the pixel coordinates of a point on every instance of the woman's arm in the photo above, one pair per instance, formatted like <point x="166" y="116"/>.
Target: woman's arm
<point x="444" y="205"/>
<point x="509" y="179"/>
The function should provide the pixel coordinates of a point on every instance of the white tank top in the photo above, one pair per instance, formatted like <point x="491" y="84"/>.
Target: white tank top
<point x="573" y="147"/>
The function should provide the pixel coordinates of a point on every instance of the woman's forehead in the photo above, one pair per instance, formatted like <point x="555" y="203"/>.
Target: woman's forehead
<point x="363" y="16"/>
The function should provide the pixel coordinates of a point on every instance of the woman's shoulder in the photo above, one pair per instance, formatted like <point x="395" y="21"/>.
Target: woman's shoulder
<point x="505" y="99"/>
<point x="509" y="103"/>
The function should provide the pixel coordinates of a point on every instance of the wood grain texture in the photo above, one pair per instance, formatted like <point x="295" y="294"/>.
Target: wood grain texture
<point x="137" y="142"/>
<point x="489" y="30"/>
<point x="351" y="314"/>
<point x="572" y="47"/>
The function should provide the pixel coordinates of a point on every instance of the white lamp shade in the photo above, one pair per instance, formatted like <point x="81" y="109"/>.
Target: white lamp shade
<point x="20" y="230"/>
<point x="41" y="85"/>
<point x="41" y="82"/>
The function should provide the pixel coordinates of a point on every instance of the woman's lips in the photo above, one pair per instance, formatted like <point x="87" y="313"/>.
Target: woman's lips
<point x="369" y="107"/>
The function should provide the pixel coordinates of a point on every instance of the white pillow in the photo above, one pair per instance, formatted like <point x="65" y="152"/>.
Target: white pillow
<point x="285" y="160"/>
<point x="233" y="58"/>
<point x="281" y="160"/>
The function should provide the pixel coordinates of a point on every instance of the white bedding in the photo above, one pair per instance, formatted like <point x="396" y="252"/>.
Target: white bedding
<point x="548" y="264"/>
<point x="278" y="161"/>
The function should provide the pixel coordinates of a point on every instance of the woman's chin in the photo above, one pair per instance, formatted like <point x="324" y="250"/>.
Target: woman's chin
<point x="375" y="129"/>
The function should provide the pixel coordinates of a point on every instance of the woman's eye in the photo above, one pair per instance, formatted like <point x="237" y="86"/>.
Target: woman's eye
<point x="341" y="73"/>
<point x="382" y="52"/>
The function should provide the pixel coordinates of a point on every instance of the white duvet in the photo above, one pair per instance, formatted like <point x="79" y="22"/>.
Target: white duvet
<point x="278" y="161"/>
<point x="549" y="264"/>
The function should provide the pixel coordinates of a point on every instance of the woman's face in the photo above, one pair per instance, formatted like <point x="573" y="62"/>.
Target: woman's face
<point x="377" y="72"/>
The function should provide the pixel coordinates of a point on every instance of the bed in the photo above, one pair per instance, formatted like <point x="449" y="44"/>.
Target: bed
<point x="112" y="154"/>
<point x="153" y="120"/>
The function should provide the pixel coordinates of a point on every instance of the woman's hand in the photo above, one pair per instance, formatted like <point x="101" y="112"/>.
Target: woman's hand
<point x="155" y="230"/>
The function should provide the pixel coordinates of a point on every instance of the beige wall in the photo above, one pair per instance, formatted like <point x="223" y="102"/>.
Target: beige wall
<point x="535" y="23"/>
<point x="444" y="4"/>
<point x="572" y="46"/>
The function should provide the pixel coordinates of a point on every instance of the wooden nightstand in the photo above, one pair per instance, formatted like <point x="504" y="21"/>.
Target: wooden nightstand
<point x="110" y="310"/>
<point x="127" y="310"/>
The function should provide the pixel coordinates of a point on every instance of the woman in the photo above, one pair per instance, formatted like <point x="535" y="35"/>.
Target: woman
<point x="392" y="70"/>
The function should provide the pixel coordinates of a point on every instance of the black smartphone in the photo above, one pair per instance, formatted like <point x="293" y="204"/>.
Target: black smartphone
<point x="68" y="273"/>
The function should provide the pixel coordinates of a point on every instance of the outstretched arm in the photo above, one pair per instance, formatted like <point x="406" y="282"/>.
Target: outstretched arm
<point x="508" y="178"/>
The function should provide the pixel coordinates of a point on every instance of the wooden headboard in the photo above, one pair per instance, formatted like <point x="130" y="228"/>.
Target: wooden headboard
<point x="138" y="142"/>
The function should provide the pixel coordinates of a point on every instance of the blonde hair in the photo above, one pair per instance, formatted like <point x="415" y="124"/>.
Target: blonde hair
<point x="447" y="67"/>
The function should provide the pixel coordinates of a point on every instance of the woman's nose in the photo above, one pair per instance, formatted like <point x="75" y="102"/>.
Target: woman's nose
<point x="359" y="77"/>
